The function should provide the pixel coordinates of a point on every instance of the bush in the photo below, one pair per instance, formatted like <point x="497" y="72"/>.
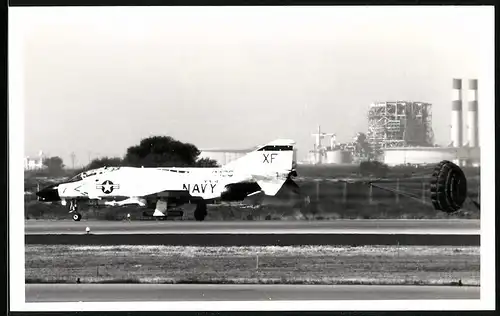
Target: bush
<point x="373" y="168"/>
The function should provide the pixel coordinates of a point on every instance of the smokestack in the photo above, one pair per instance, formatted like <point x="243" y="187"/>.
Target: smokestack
<point x="456" y="114"/>
<point x="472" y="115"/>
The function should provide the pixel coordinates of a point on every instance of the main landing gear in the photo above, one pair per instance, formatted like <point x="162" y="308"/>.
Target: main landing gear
<point x="73" y="207"/>
<point x="200" y="212"/>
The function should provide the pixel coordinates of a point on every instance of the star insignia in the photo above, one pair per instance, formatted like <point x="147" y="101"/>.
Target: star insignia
<point x="107" y="186"/>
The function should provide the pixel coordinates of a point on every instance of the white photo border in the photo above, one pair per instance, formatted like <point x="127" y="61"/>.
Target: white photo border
<point x="19" y="23"/>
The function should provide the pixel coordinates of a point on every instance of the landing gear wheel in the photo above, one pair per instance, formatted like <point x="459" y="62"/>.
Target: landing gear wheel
<point x="77" y="217"/>
<point x="200" y="212"/>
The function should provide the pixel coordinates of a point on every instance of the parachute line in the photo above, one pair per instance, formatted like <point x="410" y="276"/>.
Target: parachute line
<point x="417" y="198"/>
<point x="447" y="185"/>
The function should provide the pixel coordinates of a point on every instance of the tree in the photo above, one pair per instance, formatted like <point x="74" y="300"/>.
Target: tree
<point x="54" y="165"/>
<point x="161" y="151"/>
<point x="207" y="163"/>
<point x="105" y="161"/>
<point x="373" y="168"/>
<point x="363" y="146"/>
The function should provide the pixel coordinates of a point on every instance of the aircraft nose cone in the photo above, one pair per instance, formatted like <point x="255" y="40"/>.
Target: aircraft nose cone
<point x="49" y="194"/>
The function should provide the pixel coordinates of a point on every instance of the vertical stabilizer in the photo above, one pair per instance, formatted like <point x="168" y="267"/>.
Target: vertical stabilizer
<point x="269" y="165"/>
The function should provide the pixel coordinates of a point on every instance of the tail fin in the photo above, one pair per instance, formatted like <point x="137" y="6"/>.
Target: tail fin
<point x="269" y="165"/>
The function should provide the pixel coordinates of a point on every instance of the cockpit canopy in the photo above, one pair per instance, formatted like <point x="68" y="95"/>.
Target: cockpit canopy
<point x="92" y="172"/>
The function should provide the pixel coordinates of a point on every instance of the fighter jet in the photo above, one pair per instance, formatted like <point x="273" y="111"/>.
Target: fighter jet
<point x="263" y="171"/>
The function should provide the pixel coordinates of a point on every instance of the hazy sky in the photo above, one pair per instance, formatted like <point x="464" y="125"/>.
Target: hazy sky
<point x="100" y="79"/>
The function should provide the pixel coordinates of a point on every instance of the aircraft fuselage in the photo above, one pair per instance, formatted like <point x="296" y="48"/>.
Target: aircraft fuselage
<point x="206" y="183"/>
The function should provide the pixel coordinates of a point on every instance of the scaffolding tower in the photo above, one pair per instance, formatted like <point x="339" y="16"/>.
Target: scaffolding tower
<point x="399" y="124"/>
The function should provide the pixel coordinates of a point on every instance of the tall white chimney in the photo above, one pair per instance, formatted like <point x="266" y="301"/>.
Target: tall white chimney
<point x="456" y="114"/>
<point x="472" y="117"/>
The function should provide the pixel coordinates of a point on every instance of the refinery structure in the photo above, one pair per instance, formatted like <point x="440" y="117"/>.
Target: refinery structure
<point x="335" y="153"/>
<point x="399" y="124"/>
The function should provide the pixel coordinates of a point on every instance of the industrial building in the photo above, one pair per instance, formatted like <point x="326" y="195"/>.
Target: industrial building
<point x="399" y="124"/>
<point x="462" y="153"/>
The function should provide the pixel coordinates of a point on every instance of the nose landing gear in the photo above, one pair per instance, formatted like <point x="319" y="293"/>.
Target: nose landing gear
<point x="73" y="207"/>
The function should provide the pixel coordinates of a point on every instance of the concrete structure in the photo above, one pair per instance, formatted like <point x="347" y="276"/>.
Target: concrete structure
<point x="472" y="116"/>
<point x="456" y="114"/>
<point x="430" y="155"/>
<point x="399" y="124"/>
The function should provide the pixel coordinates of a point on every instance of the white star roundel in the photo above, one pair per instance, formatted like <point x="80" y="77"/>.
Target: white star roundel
<point x="107" y="187"/>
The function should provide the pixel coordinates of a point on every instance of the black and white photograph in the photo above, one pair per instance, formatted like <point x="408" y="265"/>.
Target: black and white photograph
<point x="251" y="158"/>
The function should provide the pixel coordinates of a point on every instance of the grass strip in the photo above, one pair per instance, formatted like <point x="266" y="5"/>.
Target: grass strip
<point x="394" y="265"/>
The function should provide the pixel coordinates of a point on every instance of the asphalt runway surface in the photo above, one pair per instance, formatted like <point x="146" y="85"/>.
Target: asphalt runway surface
<point x="242" y="240"/>
<point x="216" y="292"/>
<point x="296" y="233"/>
<point x="372" y="227"/>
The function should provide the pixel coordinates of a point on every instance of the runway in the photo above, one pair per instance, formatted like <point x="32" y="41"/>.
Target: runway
<point x="211" y="292"/>
<point x="248" y="233"/>
<point x="370" y="227"/>
<point x="242" y="240"/>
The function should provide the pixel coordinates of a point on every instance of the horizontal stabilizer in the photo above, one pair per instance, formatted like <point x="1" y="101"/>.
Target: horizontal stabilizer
<point x="270" y="186"/>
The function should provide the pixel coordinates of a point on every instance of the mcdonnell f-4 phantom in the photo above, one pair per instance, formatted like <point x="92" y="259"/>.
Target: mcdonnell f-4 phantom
<point x="263" y="170"/>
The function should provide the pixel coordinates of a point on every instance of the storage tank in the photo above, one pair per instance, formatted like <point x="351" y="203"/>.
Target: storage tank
<point x="338" y="157"/>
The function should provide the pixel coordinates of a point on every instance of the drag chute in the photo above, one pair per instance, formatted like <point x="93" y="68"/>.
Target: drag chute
<point x="442" y="186"/>
<point x="446" y="181"/>
<point x="448" y="187"/>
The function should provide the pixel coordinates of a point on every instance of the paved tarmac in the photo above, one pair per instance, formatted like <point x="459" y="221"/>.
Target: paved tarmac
<point x="242" y="240"/>
<point x="414" y="227"/>
<point x="216" y="292"/>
